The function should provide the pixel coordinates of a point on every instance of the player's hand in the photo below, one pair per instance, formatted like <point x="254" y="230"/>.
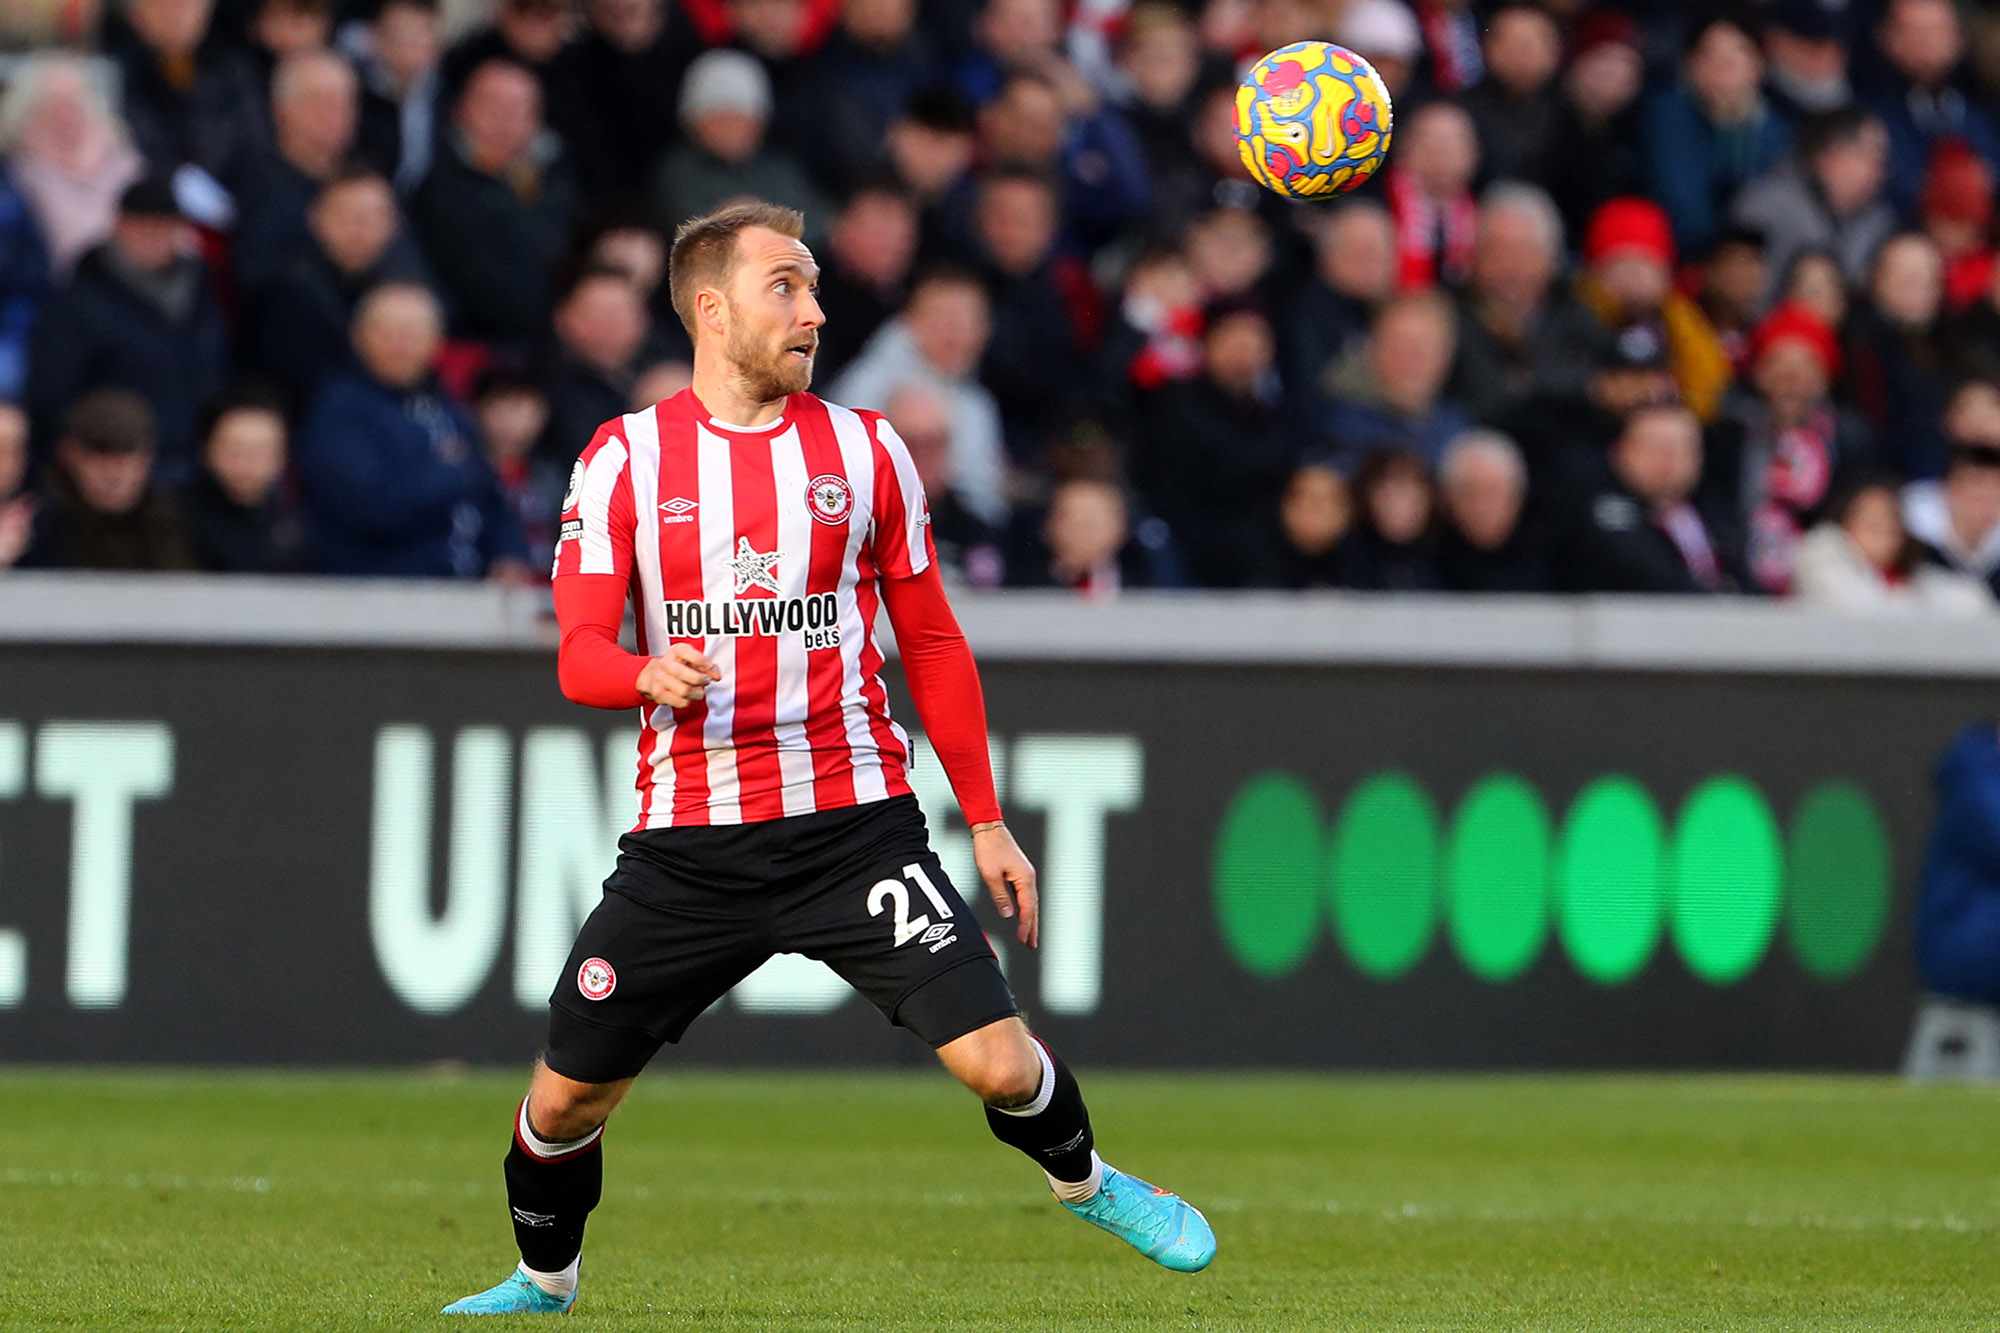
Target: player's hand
<point x="678" y="678"/>
<point x="1010" y="878"/>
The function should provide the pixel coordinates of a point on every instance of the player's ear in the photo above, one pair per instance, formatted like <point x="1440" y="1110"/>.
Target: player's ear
<point x="709" y="310"/>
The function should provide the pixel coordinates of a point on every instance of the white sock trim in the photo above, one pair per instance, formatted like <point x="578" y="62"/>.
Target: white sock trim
<point x="541" y="1147"/>
<point x="559" y="1285"/>
<point x="1044" y="1096"/>
<point x="1081" y="1191"/>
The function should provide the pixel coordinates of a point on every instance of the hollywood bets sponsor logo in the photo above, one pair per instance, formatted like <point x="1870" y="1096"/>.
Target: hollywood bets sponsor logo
<point x="816" y="618"/>
<point x="596" y="979"/>
<point x="830" y="498"/>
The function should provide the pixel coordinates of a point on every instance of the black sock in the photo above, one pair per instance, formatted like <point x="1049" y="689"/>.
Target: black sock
<point x="1058" y="1135"/>
<point x="551" y="1198"/>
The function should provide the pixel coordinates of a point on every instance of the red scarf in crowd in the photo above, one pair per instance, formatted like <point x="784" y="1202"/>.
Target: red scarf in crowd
<point x="1433" y="244"/>
<point x="1795" y="482"/>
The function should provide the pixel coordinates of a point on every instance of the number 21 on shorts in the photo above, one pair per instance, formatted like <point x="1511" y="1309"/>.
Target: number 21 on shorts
<point x="894" y="895"/>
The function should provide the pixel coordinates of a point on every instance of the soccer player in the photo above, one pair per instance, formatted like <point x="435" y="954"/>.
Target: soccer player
<point x="755" y="529"/>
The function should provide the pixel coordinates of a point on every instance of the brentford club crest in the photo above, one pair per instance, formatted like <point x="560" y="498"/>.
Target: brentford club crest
<point x="596" y="979"/>
<point x="829" y="498"/>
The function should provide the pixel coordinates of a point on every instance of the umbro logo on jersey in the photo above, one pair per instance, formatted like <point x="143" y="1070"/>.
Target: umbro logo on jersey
<point x="680" y="509"/>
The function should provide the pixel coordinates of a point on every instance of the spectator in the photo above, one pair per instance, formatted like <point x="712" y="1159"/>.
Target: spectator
<point x="1958" y="519"/>
<point x="495" y="212"/>
<point x="1160" y="61"/>
<point x="1627" y="282"/>
<point x="191" y="101"/>
<point x="937" y="342"/>
<point x="1208" y="171"/>
<point x="533" y="34"/>
<point x="1710" y="132"/>
<point x="931" y="146"/>
<point x="869" y="254"/>
<point x="401" y="87"/>
<point x="391" y="471"/>
<point x="1155" y="334"/>
<point x="1393" y="547"/>
<point x="1643" y="533"/>
<point x="1216" y="453"/>
<point x="1860" y="558"/>
<point x="1354" y="272"/>
<point x="1813" y="280"/>
<point x="1515" y="107"/>
<point x="1599" y="149"/>
<point x="725" y="108"/>
<point x="99" y="509"/>
<point x="969" y="549"/>
<point x="17" y="506"/>
<point x="281" y="29"/>
<point x="1314" y="517"/>
<point x="1897" y="379"/>
<point x="1734" y="281"/>
<point x="659" y="382"/>
<point x="1042" y="306"/>
<point x="238" y="519"/>
<point x="1483" y="481"/>
<point x="1782" y="447"/>
<point x="1393" y="397"/>
<point x="1383" y="32"/>
<point x="354" y="241"/>
<point x="1086" y="543"/>
<point x="1051" y="121"/>
<point x="1010" y="35"/>
<point x="875" y="62"/>
<point x="513" y="416"/>
<point x="1805" y="58"/>
<point x="1523" y="346"/>
<point x="1230" y="251"/>
<point x="1957" y="214"/>
<point x="601" y="327"/>
<point x="1428" y="183"/>
<point x="1957" y="924"/>
<point x="67" y="152"/>
<point x="1828" y="195"/>
<point x="314" y="109"/>
<point x="24" y="279"/>
<point x="1922" y="100"/>
<point x="626" y="73"/>
<point x="139" y="315"/>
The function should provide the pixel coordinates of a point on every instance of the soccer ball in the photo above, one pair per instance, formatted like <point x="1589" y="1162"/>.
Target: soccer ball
<point x="1312" y="119"/>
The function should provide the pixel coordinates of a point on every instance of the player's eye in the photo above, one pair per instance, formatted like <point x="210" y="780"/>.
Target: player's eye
<point x="783" y="289"/>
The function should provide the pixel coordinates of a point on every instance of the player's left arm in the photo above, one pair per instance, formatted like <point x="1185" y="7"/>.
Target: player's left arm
<point x="943" y="679"/>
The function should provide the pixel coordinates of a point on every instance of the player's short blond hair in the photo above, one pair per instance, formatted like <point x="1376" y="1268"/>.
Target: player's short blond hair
<point x="704" y="252"/>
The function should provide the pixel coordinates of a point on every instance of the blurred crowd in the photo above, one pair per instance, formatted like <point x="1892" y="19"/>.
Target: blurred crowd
<point x="1649" y="298"/>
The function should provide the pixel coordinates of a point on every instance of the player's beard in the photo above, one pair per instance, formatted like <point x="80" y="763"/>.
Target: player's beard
<point x="768" y="371"/>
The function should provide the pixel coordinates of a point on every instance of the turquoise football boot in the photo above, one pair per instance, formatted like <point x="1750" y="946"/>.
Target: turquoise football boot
<point x="1158" y="1224"/>
<point x="517" y="1295"/>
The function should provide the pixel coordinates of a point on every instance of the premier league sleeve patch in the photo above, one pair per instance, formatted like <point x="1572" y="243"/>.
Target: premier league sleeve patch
<point x="575" y="491"/>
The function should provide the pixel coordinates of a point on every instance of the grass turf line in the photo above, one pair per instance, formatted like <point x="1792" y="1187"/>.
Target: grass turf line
<point x="815" y="1201"/>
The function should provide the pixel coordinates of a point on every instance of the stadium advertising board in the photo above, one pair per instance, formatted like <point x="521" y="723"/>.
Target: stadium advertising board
<point x="231" y="855"/>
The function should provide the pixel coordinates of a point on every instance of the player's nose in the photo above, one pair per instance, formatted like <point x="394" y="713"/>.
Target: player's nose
<point x="810" y="315"/>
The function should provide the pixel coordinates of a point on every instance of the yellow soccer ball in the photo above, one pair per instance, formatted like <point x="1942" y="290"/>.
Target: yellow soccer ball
<point x="1312" y="119"/>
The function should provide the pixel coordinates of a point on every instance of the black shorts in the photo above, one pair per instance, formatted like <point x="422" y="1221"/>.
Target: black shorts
<point x="689" y="912"/>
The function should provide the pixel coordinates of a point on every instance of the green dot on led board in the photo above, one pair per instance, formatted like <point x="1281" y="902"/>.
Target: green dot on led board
<point x="1837" y="885"/>
<point x="1266" y="875"/>
<point x="1496" y="878"/>
<point x="1609" y="893"/>
<point x="1727" y="874"/>
<point x="1382" y="875"/>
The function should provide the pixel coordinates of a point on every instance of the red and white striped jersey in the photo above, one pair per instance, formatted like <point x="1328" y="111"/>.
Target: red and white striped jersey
<point x="764" y="549"/>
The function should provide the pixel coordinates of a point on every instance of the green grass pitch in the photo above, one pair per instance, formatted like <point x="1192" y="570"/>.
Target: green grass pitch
<point x="877" y="1201"/>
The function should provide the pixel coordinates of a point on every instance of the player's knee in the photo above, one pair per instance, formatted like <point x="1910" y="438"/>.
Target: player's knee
<point x="561" y="1118"/>
<point x="1009" y="1076"/>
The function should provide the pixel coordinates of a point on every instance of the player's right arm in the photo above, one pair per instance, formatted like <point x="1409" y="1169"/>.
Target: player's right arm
<point x="593" y="580"/>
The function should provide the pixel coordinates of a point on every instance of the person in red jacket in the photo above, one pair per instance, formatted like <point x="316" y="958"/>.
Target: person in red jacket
<point x="756" y="529"/>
